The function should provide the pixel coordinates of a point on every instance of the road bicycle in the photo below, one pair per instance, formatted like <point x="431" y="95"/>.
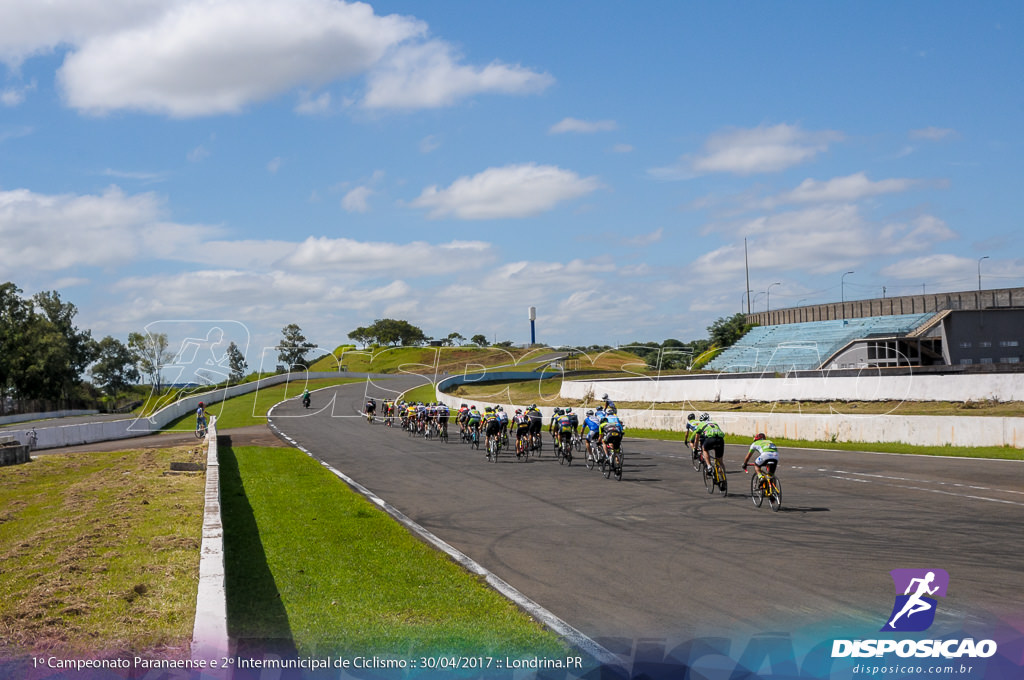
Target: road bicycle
<point x="563" y="450"/>
<point x="522" y="450"/>
<point x="594" y="456"/>
<point x="766" y="486"/>
<point x="698" y="463"/>
<point x="201" y="430"/>
<point x="613" y="465"/>
<point x="474" y="438"/>
<point x="443" y="434"/>
<point x="536" y="443"/>
<point x="714" y="477"/>
<point x="578" y="442"/>
<point x="493" y="447"/>
<point x="369" y="417"/>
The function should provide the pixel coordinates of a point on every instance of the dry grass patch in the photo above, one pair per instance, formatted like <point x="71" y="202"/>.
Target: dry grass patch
<point x="99" y="553"/>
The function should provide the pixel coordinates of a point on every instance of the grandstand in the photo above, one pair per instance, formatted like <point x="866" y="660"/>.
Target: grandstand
<point x="971" y="330"/>
<point x="807" y="346"/>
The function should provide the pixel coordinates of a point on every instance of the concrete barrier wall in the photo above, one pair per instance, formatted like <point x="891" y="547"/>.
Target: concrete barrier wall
<point x="210" y="630"/>
<point x="865" y="387"/>
<point x="25" y="417"/>
<point x="13" y="455"/>
<point x="85" y="433"/>
<point x="852" y="427"/>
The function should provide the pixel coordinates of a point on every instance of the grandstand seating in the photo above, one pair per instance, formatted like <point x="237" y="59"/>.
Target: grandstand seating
<point x="806" y="346"/>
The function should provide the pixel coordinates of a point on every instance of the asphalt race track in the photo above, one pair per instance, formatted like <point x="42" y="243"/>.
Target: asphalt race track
<point x="654" y="556"/>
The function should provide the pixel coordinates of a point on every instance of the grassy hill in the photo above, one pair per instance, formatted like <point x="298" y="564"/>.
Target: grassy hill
<point x="426" y="360"/>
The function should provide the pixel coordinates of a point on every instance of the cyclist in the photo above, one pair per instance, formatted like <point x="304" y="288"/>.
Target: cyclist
<point x="574" y="419"/>
<point x="610" y="434"/>
<point x="553" y="425"/>
<point x="462" y="418"/>
<point x="521" y="428"/>
<point x="492" y="426"/>
<point x="564" y="430"/>
<point x="691" y="429"/>
<point x="608" y="403"/>
<point x="536" y="422"/>
<point x="201" y="417"/>
<point x="473" y="419"/>
<point x="371" y="408"/>
<point x="442" y="417"/>
<point x="767" y="455"/>
<point x="590" y="428"/>
<point x="305" y="398"/>
<point x="503" y="420"/>
<point x="712" y="439"/>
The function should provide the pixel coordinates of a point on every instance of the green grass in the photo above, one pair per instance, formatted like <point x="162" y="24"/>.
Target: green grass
<point x="251" y="409"/>
<point x="99" y="554"/>
<point x="424" y="393"/>
<point x="1000" y="452"/>
<point x="313" y="566"/>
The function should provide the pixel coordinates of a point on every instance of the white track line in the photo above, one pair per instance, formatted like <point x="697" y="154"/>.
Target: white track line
<point x="571" y="635"/>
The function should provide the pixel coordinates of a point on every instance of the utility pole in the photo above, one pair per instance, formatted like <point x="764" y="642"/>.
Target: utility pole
<point x="746" y="266"/>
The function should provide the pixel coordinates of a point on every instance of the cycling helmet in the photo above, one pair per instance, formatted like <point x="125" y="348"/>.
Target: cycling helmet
<point x="518" y="411"/>
<point x="759" y="437"/>
<point x="605" y="397"/>
<point x="501" y="409"/>
<point x="691" y="417"/>
<point x="704" y="417"/>
<point x="463" y="406"/>
<point x="568" y="410"/>
<point x="200" y="404"/>
<point x="473" y="406"/>
<point x="590" y="412"/>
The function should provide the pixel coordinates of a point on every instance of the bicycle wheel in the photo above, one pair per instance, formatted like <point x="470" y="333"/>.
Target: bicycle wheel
<point x="698" y="464"/>
<point x="723" y="481"/>
<point x="756" y="491"/>
<point x="591" y="459"/>
<point x="495" y="447"/>
<point x="617" y="465"/>
<point x="709" y="479"/>
<point x="775" y="499"/>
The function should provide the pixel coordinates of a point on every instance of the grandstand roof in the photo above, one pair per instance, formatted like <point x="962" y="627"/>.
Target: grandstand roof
<point x="807" y="346"/>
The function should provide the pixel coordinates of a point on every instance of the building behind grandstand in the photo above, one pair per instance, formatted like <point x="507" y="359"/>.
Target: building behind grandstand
<point x="960" y="331"/>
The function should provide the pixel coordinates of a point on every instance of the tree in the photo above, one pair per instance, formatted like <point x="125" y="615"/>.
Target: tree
<point x="115" y="367"/>
<point x="293" y="347"/>
<point x="728" y="329"/>
<point x="61" y="351"/>
<point x="389" y="332"/>
<point x="151" y="355"/>
<point x="361" y="335"/>
<point x="236" y="362"/>
<point x="479" y="339"/>
<point x="454" y="339"/>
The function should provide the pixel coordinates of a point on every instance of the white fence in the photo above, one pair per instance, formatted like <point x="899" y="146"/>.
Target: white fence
<point x="85" y="433"/>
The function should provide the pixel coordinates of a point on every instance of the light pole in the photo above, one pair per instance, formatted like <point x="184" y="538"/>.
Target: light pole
<point x="768" y="300"/>
<point x="842" y="286"/>
<point x="979" y="271"/>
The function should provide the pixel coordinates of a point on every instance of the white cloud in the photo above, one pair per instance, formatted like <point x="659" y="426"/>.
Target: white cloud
<point x="507" y="192"/>
<point x="843" y="189"/>
<point x="357" y="200"/>
<point x="928" y="266"/>
<point x="751" y="151"/>
<point x="197" y="154"/>
<point x="30" y="27"/>
<point x="932" y="133"/>
<point x="430" y="143"/>
<point x="429" y="75"/>
<point x="15" y="96"/>
<point x="623" y="148"/>
<point x="202" y="58"/>
<point x="310" y="105"/>
<point x="820" y="240"/>
<point x="646" y="239"/>
<point x="53" y="232"/>
<point x="274" y="165"/>
<point x="347" y="255"/>
<point x="582" y="126"/>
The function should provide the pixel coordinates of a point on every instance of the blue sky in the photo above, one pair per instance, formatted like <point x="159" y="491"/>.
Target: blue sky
<point x="453" y="163"/>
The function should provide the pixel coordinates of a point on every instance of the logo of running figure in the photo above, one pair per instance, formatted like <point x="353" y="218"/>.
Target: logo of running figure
<point x="914" y="609"/>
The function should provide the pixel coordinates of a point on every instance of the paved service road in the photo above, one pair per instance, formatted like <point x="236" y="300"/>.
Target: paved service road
<point x="655" y="556"/>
